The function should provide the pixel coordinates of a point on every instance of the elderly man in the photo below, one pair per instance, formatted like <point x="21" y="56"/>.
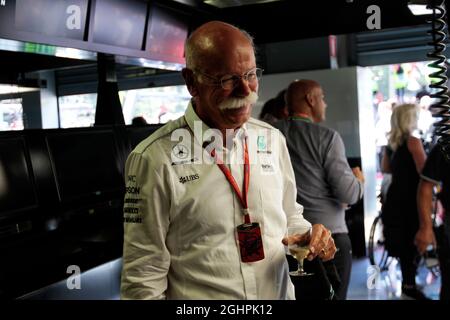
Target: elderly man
<point x="325" y="182"/>
<point x="210" y="195"/>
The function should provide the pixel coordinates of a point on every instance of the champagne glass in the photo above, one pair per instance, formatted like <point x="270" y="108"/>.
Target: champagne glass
<point x="300" y="247"/>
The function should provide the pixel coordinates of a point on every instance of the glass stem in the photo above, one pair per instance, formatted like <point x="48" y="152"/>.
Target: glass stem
<point x="300" y="266"/>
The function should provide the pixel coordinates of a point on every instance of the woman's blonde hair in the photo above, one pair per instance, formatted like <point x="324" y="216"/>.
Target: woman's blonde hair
<point x="403" y="123"/>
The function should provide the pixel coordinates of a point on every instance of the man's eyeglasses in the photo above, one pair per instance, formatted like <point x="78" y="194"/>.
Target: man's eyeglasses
<point x="229" y="82"/>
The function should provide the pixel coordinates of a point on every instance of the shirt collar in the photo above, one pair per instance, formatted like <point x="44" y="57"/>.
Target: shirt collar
<point x="300" y="117"/>
<point x="195" y="123"/>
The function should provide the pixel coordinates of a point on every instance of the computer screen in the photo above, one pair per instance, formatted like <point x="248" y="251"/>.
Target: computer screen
<point x="166" y="36"/>
<point x="120" y="23"/>
<point x="86" y="164"/>
<point x="63" y="18"/>
<point x="17" y="190"/>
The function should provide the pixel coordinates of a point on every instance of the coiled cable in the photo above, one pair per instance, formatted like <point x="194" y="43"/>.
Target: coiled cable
<point x="440" y="107"/>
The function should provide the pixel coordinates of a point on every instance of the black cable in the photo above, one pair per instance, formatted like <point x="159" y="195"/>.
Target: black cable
<point x="440" y="108"/>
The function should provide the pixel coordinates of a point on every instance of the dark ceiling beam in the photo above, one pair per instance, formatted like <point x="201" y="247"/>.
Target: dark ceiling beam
<point x="27" y="62"/>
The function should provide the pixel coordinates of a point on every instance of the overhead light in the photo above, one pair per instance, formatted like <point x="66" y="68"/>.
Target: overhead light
<point x="72" y="53"/>
<point x="21" y="85"/>
<point x="192" y="3"/>
<point x="419" y="8"/>
<point x="12" y="88"/>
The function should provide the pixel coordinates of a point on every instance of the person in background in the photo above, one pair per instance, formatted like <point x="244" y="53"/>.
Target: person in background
<point x="382" y="127"/>
<point x="425" y="119"/>
<point x="274" y="109"/>
<point x="436" y="172"/>
<point x="213" y="228"/>
<point x="400" y="82"/>
<point x="138" y="121"/>
<point x="325" y="182"/>
<point x="404" y="158"/>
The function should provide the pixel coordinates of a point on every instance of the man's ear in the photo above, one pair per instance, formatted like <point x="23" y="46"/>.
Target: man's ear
<point x="310" y="99"/>
<point x="189" y="79"/>
<point x="285" y="112"/>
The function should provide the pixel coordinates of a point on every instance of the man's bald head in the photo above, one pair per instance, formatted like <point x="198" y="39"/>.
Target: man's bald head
<point x="298" y="90"/>
<point x="211" y="41"/>
<point x="306" y="96"/>
<point x="217" y="52"/>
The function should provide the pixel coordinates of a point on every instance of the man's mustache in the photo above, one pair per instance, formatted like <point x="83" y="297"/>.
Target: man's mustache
<point x="236" y="103"/>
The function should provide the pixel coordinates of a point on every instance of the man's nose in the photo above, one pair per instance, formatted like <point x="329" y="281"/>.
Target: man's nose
<point x="242" y="88"/>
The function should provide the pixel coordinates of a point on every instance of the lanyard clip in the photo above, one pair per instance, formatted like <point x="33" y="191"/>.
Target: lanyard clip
<point x="246" y="214"/>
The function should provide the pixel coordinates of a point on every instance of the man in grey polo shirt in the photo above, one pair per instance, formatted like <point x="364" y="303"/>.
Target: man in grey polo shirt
<point x="325" y="181"/>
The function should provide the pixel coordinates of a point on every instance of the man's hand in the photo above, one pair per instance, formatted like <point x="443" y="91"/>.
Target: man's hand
<point x="322" y="244"/>
<point x="358" y="174"/>
<point x="424" y="237"/>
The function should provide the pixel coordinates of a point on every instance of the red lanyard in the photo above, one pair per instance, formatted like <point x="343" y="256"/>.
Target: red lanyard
<point x="243" y="197"/>
<point x="300" y="115"/>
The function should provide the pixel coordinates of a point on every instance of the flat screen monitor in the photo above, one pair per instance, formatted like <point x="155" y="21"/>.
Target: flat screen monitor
<point x="86" y="164"/>
<point x="166" y="36"/>
<point x="17" y="190"/>
<point x="120" y="23"/>
<point x="62" y="18"/>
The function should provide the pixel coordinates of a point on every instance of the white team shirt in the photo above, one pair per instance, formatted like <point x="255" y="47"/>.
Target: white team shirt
<point x="180" y="216"/>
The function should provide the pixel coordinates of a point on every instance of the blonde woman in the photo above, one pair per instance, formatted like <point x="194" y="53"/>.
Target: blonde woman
<point x="404" y="158"/>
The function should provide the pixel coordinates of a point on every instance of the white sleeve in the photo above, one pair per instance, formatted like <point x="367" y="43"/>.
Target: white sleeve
<point x="146" y="259"/>
<point x="292" y="209"/>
